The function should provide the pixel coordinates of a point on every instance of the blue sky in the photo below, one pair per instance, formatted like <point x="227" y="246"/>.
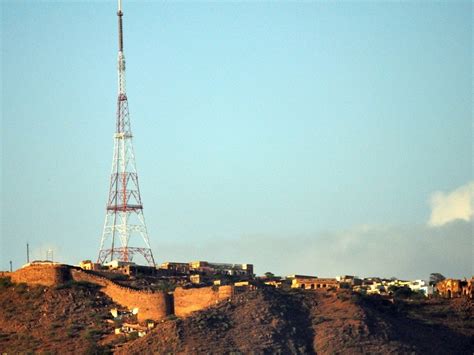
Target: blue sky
<point x="256" y="124"/>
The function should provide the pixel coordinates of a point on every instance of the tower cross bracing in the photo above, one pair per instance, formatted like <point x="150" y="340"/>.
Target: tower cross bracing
<point x="124" y="234"/>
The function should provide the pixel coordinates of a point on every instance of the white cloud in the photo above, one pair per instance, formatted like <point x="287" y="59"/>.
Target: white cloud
<point x="451" y="206"/>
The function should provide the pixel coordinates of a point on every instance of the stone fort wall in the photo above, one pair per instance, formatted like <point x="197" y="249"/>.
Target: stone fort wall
<point x="46" y="275"/>
<point x="151" y="305"/>
<point x="187" y="301"/>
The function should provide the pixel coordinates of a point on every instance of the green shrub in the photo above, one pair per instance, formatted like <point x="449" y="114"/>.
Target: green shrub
<point x="21" y="288"/>
<point x="56" y="325"/>
<point x="99" y="317"/>
<point x="92" y="334"/>
<point x="77" y="285"/>
<point x="76" y="327"/>
<point x="166" y="286"/>
<point x="133" y="336"/>
<point x="5" y="282"/>
<point x="119" y="339"/>
<point x="34" y="292"/>
<point x="319" y="320"/>
<point x="343" y="296"/>
<point x="95" y="349"/>
<point x="66" y="285"/>
<point x="407" y="293"/>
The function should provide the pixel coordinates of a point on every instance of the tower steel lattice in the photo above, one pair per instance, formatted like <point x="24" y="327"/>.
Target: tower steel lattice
<point x="124" y="220"/>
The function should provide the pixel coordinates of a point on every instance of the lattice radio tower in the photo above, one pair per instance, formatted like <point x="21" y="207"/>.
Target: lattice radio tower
<point x="124" y="220"/>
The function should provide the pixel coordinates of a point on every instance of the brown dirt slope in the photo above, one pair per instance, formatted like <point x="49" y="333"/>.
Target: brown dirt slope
<point x="261" y="321"/>
<point x="295" y="322"/>
<point x="65" y="319"/>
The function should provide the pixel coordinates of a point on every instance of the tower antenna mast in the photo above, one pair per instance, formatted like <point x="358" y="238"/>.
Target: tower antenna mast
<point x="124" y="220"/>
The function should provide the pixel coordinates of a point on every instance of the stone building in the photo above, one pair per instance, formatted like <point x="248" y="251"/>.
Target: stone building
<point x="449" y="288"/>
<point x="198" y="279"/>
<point x="274" y="283"/>
<point x="89" y="265"/>
<point x="206" y="267"/>
<point x="313" y="282"/>
<point x="182" y="268"/>
<point x="349" y="280"/>
<point x="138" y="270"/>
<point x="120" y="267"/>
<point x="468" y="288"/>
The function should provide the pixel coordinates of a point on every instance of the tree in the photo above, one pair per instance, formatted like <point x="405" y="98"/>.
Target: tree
<point x="435" y="278"/>
<point x="269" y="275"/>
<point x="403" y="292"/>
<point x="392" y="288"/>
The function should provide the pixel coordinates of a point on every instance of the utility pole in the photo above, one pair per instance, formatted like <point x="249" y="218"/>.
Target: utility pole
<point x="27" y="253"/>
<point x="124" y="220"/>
<point x="11" y="267"/>
<point x="49" y="254"/>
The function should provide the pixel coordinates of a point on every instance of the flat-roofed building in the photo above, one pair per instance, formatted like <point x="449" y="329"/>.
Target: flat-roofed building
<point x="138" y="270"/>
<point x="274" y="283"/>
<point x="198" y="279"/>
<point x="221" y="268"/>
<point x="175" y="266"/>
<point x="115" y="264"/>
<point x="89" y="265"/>
<point x="313" y="282"/>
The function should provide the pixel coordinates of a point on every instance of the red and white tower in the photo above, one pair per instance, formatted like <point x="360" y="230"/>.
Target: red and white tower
<point x="124" y="234"/>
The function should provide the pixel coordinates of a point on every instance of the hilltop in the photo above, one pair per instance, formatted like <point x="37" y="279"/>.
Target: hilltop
<point x="325" y="322"/>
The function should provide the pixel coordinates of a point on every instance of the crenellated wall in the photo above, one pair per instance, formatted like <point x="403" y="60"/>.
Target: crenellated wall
<point x="151" y="305"/>
<point x="187" y="301"/>
<point x="42" y="274"/>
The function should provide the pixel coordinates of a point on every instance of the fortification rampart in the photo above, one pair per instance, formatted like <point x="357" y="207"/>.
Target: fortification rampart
<point x="44" y="274"/>
<point x="191" y="300"/>
<point x="151" y="305"/>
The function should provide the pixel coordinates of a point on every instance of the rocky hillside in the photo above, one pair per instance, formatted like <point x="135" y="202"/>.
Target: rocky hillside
<point x="66" y="319"/>
<point x="72" y="318"/>
<point x="295" y="322"/>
